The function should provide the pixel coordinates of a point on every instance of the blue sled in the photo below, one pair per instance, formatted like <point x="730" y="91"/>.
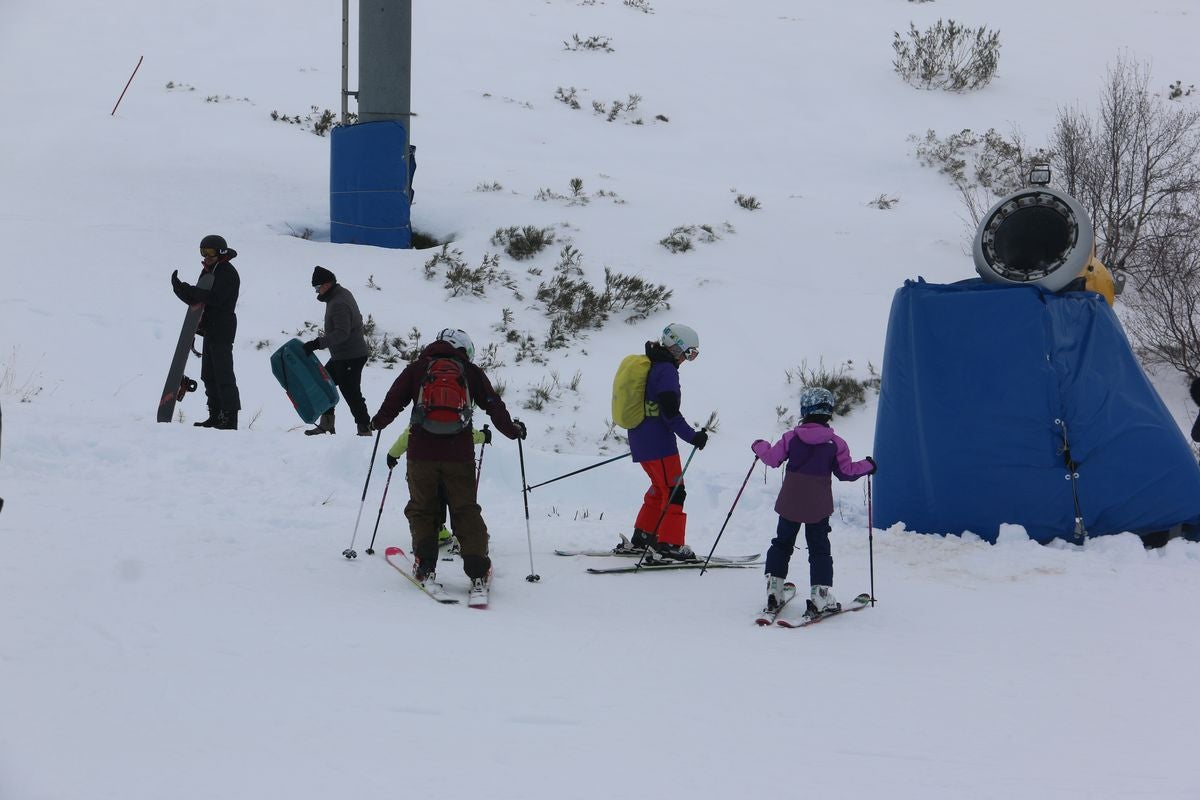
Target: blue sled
<point x="305" y="380"/>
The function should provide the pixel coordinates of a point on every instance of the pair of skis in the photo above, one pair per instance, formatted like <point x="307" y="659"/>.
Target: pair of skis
<point x="432" y="589"/>
<point x="811" y="616"/>
<point x="625" y="550"/>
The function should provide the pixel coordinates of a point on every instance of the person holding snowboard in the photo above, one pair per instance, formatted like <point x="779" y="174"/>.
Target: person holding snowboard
<point x="660" y="526"/>
<point x="218" y="326"/>
<point x="442" y="384"/>
<point x="813" y="452"/>
<point x="343" y="336"/>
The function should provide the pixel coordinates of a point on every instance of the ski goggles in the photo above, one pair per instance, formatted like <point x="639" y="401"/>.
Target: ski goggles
<point x="208" y="252"/>
<point x="690" y="353"/>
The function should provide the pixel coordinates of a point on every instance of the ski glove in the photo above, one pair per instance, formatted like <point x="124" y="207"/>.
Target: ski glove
<point x="759" y="447"/>
<point x="700" y="439"/>
<point x="315" y="344"/>
<point x="520" y="426"/>
<point x="175" y="282"/>
<point x="487" y="434"/>
<point x="874" y="466"/>
<point x="392" y="461"/>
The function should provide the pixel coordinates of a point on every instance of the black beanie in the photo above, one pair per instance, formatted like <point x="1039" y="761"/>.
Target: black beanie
<point x="322" y="275"/>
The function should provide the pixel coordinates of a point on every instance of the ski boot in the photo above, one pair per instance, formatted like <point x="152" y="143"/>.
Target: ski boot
<point x="670" y="552"/>
<point x="478" y="595"/>
<point x="821" y="601"/>
<point x="775" y="598"/>
<point x="636" y="545"/>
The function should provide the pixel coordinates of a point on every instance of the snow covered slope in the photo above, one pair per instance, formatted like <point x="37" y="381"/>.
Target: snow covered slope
<point x="175" y="617"/>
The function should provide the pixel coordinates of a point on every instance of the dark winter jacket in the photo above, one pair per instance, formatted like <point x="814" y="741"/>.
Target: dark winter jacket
<point x="654" y="437"/>
<point x="343" y="325"/>
<point x="813" y="453"/>
<point x="426" y="446"/>
<point x="219" y="321"/>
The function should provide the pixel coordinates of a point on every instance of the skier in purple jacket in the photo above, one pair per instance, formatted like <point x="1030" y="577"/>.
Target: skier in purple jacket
<point x="813" y="453"/>
<point x="661" y="524"/>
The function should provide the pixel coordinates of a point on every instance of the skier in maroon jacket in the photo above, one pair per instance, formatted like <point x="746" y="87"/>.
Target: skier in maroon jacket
<point x="445" y="457"/>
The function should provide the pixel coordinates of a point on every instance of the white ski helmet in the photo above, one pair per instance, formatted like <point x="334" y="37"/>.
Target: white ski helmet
<point x="681" y="340"/>
<point x="816" y="400"/>
<point x="459" y="339"/>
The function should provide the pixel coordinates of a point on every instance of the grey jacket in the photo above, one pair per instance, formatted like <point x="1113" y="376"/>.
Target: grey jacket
<point x="343" y="325"/>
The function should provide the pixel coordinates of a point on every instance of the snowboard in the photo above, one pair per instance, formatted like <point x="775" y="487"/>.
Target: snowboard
<point x="178" y="384"/>
<point x="304" y="379"/>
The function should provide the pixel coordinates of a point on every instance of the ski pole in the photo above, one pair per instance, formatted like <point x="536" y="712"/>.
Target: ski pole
<point x="349" y="551"/>
<point x="585" y="469"/>
<point x="487" y="435"/>
<point x="670" y="497"/>
<point x="730" y="514"/>
<point x="532" y="577"/>
<point x="871" y="537"/>
<point x="382" y="500"/>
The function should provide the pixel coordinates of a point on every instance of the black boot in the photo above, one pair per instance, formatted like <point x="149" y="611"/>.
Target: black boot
<point x="642" y="539"/>
<point x="226" y="421"/>
<point x="211" y="422"/>
<point x="324" y="425"/>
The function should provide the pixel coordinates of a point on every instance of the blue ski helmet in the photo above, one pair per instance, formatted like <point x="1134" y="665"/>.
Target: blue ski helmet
<point x="816" y="400"/>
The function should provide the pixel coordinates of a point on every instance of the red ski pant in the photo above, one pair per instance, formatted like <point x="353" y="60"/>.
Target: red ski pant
<point x="663" y="472"/>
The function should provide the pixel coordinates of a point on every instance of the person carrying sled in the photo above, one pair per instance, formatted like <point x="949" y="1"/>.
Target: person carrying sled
<point x="343" y="335"/>
<point x="218" y="326"/>
<point x="400" y="446"/>
<point x="442" y="383"/>
<point x="660" y="526"/>
<point x="812" y="452"/>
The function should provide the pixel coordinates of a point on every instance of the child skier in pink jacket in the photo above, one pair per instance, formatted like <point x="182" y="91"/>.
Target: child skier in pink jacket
<point x="812" y="452"/>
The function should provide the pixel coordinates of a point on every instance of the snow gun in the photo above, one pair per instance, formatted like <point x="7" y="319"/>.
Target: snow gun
<point x="1042" y="236"/>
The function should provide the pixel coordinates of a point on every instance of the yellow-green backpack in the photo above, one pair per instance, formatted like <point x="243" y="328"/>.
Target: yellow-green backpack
<point x="629" y="405"/>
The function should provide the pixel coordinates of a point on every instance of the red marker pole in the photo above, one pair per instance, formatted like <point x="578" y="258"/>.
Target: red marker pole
<point x="123" y="91"/>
